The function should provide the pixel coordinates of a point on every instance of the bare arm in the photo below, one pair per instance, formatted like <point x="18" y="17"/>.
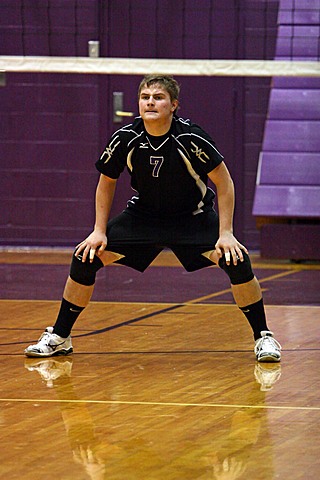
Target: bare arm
<point x="220" y="176"/>
<point x="98" y="239"/>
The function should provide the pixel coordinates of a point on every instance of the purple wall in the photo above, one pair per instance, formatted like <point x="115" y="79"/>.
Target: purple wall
<point x="53" y="127"/>
<point x="287" y="196"/>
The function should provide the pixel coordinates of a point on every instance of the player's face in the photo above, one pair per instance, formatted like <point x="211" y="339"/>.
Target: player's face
<point x="155" y="104"/>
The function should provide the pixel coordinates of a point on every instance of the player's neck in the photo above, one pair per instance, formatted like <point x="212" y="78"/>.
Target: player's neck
<point x="156" y="128"/>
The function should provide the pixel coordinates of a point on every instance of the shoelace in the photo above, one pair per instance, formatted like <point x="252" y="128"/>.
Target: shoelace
<point x="45" y="337"/>
<point x="271" y="343"/>
<point x="44" y="340"/>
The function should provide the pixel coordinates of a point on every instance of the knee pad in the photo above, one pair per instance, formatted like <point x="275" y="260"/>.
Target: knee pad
<point x="240" y="273"/>
<point x="84" y="272"/>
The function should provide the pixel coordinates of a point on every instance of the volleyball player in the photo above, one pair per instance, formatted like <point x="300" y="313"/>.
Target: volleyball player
<point x="170" y="160"/>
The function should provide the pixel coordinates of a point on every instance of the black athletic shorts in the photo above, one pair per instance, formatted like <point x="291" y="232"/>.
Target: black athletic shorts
<point x="140" y="240"/>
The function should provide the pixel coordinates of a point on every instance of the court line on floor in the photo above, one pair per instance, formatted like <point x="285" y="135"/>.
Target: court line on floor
<point x="135" y="320"/>
<point x="130" y="322"/>
<point x="170" y="308"/>
<point x="173" y="307"/>
<point x="187" y="302"/>
<point x="159" y="404"/>
<point x="228" y="290"/>
<point x="118" y="325"/>
<point x="109" y="302"/>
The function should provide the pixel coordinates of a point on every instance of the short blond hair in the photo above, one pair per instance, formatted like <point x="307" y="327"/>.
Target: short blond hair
<point x="165" y="81"/>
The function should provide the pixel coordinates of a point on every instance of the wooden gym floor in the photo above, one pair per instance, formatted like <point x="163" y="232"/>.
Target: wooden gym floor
<point x="163" y="383"/>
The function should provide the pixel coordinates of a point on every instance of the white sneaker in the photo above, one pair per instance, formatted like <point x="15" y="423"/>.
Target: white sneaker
<point x="50" y="344"/>
<point x="266" y="348"/>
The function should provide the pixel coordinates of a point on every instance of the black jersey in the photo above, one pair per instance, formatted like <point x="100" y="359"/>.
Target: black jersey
<point x="168" y="172"/>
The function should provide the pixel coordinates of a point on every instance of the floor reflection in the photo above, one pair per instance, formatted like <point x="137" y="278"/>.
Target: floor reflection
<point x="127" y="443"/>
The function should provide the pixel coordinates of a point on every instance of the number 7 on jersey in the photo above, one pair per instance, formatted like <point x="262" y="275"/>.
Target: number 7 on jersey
<point x="157" y="163"/>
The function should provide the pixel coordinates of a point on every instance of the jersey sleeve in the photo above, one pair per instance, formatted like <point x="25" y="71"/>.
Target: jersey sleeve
<point x="113" y="158"/>
<point x="203" y="149"/>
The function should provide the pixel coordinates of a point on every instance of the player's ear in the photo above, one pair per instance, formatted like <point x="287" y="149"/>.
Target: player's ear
<point x="174" y="105"/>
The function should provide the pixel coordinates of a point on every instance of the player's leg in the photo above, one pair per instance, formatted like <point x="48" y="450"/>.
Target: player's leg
<point x="125" y="233"/>
<point x="203" y="230"/>
<point x="78" y="290"/>
<point x="248" y="296"/>
<point x="77" y="293"/>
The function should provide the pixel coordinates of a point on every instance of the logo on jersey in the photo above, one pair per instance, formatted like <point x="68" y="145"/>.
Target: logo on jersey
<point x="109" y="150"/>
<point x="143" y="145"/>
<point x="199" y="153"/>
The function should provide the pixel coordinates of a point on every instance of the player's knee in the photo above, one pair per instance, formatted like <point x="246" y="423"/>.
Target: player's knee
<point x="84" y="272"/>
<point x="240" y="273"/>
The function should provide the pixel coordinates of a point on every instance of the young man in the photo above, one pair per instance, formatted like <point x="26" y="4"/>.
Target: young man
<point x="170" y="160"/>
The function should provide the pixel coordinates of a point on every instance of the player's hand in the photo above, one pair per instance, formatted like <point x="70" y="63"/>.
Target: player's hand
<point x="94" y="244"/>
<point x="229" y="246"/>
